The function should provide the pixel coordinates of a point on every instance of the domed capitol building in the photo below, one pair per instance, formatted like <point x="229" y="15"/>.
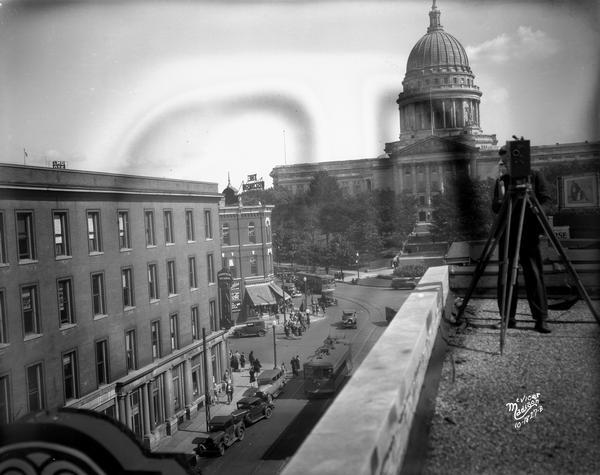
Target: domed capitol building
<point x="440" y="132"/>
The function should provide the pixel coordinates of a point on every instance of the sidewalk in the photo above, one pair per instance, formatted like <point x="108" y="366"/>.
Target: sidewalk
<point x="181" y="441"/>
<point x="478" y="425"/>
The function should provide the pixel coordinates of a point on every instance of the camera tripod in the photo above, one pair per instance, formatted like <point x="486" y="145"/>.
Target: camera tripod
<point x="519" y="197"/>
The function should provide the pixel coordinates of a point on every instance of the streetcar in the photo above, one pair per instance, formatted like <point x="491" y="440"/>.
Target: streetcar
<point x="316" y="283"/>
<point x="327" y="369"/>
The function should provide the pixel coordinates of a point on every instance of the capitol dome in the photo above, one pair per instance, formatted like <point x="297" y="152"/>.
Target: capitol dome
<point x="438" y="49"/>
<point x="439" y="94"/>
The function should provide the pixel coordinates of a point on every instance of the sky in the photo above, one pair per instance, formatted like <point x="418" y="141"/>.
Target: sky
<point x="201" y="89"/>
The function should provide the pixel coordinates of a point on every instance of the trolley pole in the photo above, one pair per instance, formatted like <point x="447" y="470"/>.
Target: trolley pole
<point x="206" y="388"/>
<point x="274" y="348"/>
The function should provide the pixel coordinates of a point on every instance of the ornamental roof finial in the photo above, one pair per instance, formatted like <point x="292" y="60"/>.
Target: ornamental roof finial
<point x="434" y="19"/>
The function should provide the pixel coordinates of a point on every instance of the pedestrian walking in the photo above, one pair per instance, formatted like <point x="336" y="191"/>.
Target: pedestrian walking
<point x="293" y="365"/>
<point x="242" y="360"/>
<point x="251" y="358"/>
<point x="229" y="392"/>
<point x="257" y="366"/>
<point x="283" y="368"/>
<point x="297" y="365"/>
<point x="252" y="377"/>
<point x="234" y="363"/>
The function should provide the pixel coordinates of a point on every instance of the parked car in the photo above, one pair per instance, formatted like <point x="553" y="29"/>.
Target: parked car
<point x="223" y="431"/>
<point x="349" y="319"/>
<point x="252" y="409"/>
<point x="270" y="384"/>
<point x="254" y="327"/>
<point x="404" y="282"/>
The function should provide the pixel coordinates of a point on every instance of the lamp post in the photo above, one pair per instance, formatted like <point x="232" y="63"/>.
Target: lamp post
<point x="357" y="266"/>
<point x="274" y="347"/>
<point x="304" y="293"/>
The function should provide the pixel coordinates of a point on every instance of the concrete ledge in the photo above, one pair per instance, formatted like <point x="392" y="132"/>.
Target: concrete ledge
<point x="365" y="431"/>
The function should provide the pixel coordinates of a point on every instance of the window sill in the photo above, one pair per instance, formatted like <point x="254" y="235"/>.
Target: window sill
<point x="151" y="246"/>
<point x="33" y="336"/>
<point x="169" y="244"/>
<point x="4" y="346"/>
<point x="154" y="301"/>
<point x="173" y="295"/>
<point x="96" y="253"/>
<point x="209" y="239"/>
<point x="4" y="264"/>
<point x="63" y="258"/>
<point x="212" y="283"/>
<point x="194" y="289"/>
<point x="125" y="249"/>
<point x="191" y="241"/>
<point x="67" y="326"/>
<point x="28" y="261"/>
<point x="100" y="317"/>
<point x="129" y="308"/>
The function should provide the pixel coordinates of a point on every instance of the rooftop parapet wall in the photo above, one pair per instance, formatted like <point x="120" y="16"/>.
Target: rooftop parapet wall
<point x="32" y="177"/>
<point x="366" y="429"/>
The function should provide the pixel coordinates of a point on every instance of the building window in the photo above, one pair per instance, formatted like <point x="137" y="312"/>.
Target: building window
<point x="124" y="236"/>
<point x="29" y="305"/>
<point x="102" y="373"/>
<point x="208" y="234"/>
<point x="171" y="278"/>
<point x="127" y="284"/>
<point x="253" y="265"/>
<point x="65" y="301"/>
<point x="189" y="225"/>
<point x="61" y="234"/>
<point x="149" y="227"/>
<point x="130" y="350"/>
<point x="195" y="323"/>
<point x="232" y="268"/>
<point x="226" y="238"/>
<point x="155" y="339"/>
<point x="3" y="318"/>
<point x="98" y="306"/>
<point x="93" y="227"/>
<point x="268" y="230"/>
<point x="421" y="200"/>
<point x="153" y="282"/>
<point x="5" y="405"/>
<point x="212" y="315"/>
<point x="422" y="216"/>
<point x="174" y="332"/>
<point x="251" y="232"/>
<point x="197" y="386"/>
<point x="192" y="272"/>
<point x="168" y="218"/>
<point x="35" y="387"/>
<point x="3" y="258"/>
<point x="210" y="270"/>
<point x="178" y="401"/>
<point x="25" y="236"/>
<point x="71" y="386"/>
<point x="157" y="400"/>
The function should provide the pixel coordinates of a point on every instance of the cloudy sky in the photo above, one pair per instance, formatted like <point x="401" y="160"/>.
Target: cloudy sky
<point x="197" y="89"/>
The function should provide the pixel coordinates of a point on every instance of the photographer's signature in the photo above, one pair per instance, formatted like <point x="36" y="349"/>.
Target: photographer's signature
<point x="525" y="408"/>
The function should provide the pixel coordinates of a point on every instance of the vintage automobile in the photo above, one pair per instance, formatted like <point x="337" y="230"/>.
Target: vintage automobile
<point x="327" y="298"/>
<point x="252" y="409"/>
<point x="349" y="319"/>
<point x="270" y="384"/>
<point x="254" y="327"/>
<point x="223" y="431"/>
<point x="404" y="282"/>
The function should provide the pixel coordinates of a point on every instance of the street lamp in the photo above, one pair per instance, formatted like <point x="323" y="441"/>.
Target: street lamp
<point x="274" y="347"/>
<point x="357" y="267"/>
<point x="304" y="293"/>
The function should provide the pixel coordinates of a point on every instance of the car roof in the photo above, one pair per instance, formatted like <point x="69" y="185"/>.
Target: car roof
<point x="269" y="373"/>
<point x="220" y="419"/>
<point x="249" y="399"/>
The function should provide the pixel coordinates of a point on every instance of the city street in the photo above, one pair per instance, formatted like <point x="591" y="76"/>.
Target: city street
<point x="269" y="443"/>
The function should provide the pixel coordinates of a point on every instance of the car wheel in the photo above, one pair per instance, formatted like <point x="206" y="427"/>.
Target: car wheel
<point x="221" y="449"/>
<point x="268" y="413"/>
<point x="262" y="333"/>
<point x="241" y="432"/>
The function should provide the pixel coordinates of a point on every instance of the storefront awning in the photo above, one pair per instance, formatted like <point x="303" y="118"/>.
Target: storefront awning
<point x="260" y="294"/>
<point x="278" y="291"/>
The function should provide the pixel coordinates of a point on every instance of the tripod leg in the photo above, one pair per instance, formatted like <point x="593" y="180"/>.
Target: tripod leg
<point x="503" y="267"/>
<point x="514" y="273"/>
<point x="541" y="216"/>
<point x="498" y="228"/>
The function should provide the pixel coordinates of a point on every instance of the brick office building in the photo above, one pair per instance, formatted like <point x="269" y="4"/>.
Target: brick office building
<point x="247" y="252"/>
<point x="106" y="282"/>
